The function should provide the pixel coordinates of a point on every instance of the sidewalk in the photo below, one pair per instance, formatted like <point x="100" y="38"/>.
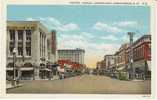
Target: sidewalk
<point x="10" y="86"/>
<point x="136" y="80"/>
<point x="56" y="77"/>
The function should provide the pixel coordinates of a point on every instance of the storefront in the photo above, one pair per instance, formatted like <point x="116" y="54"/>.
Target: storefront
<point x="26" y="73"/>
<point x="21" y="73"/>
<point x="45" y="73"/>
<point x="142" y="69"/>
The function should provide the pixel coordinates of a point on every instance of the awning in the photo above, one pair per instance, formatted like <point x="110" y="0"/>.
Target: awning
<point x="60" y="69"/>
<point x="27" y="69"/>
<point x="22" y="69"/>
<point x="121" y="68"/>
<point x="9" y="69"/>
<point x="139" y="64"/>
<point x="47" y="69"/>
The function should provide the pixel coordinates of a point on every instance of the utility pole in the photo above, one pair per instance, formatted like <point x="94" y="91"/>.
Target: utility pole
<point x="131" y="72"/>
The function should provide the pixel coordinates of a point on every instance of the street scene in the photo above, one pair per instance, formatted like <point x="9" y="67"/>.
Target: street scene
<point x="92" y="51"/>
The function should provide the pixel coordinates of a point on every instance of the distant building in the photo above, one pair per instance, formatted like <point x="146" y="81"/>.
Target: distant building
<point x="98" y="65"/>
<point x="74" y="55"/>
<point x="121" y="57"/>
<point x="30" y="38"/>
<point x="101" y="64"/>
<point x="52" y="47"/>
<point x="109" y="61"/>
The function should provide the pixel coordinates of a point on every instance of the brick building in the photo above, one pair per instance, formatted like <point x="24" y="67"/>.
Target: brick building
<point x="141" y="57"/>
<point x="121" y="57"/>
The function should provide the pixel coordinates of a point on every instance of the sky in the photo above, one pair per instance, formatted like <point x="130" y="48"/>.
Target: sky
<point x="99" y="29"/>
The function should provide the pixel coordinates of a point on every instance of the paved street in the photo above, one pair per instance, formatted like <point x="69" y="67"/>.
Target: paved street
<point x="85" y="84"/>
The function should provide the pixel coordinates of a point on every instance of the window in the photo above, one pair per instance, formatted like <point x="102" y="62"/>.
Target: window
<point x="12" y="34"/>
<point x="20" y="34"/>
<point x="20" y="51"/>
<point x="149" y="49"/>
<point x="11" y="50"/>
<point x="28" y="43"/>
<point x="28" y="34"/>
<point x="28" y="51"/>
<point x="141" y="55"/>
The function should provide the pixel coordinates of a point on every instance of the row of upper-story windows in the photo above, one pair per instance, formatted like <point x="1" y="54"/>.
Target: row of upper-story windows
<point x="140" y="51"/>
<point x="20" y="51"/>
<point x="140" y="41"/>
<point x="19" y="34"/>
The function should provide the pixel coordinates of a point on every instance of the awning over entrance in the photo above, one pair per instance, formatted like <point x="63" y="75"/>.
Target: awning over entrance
<point x="139" y="64"/>
<point x="22" y="69"/>
<point x="9" y="69"/>
<point x="27" y="69"/>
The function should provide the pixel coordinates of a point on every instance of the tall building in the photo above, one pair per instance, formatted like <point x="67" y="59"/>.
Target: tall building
<point x="30" y="39"/>
<point x="74" y="55"/>
<point x="52" y="47"/>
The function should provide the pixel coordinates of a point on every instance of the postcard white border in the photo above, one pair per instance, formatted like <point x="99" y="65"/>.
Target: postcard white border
<point x="3" y="11"/>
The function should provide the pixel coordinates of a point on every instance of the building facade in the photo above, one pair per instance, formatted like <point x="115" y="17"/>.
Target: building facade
<point x="109" y="61"/>
<point x="29" y="38"/>
<point x="52" y="47"/>
<point x="141" y="57"/>
<point x="101" y="66"/>
<point x="121" y="58"/>
<point x="74" y="55"/>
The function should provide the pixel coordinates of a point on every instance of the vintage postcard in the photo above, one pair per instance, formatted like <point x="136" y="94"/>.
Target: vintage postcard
<point x="79" y="48"/>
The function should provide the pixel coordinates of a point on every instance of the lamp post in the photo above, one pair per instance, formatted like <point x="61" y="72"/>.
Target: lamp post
<point x="14" y="66"/>
<point x="131" y="55"/>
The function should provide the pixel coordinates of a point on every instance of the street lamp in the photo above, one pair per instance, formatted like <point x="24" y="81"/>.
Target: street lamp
<point x="131" y="54"/>
<point x="14" y="66"/>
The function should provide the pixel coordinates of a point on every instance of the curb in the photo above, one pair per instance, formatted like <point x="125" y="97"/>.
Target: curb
<point x="14" y="86"/>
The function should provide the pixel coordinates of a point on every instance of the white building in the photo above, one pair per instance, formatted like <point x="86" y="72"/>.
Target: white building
<point x="110" y="60"/>
<point x="74" y="55"/>
<point x="30" y="40"/>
